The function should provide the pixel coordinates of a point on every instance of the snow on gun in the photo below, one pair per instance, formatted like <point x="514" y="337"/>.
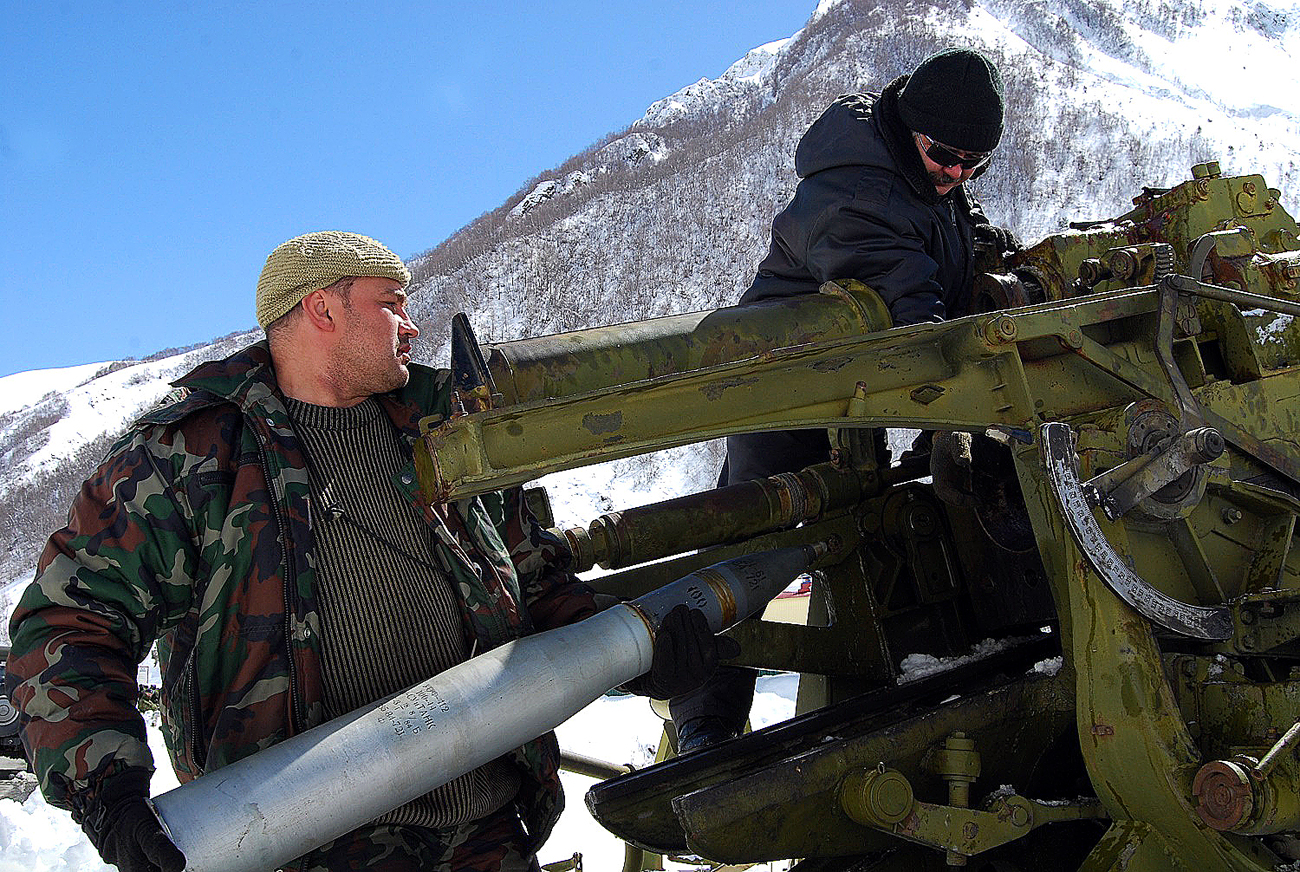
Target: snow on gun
<point x="266" y="809"/>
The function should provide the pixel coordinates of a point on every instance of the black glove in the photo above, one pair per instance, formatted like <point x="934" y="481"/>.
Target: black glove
<point x="125" y="830"/>
<point x="950" y="468"/>
<point x="1001" y="240"/>
<point x="686" y="653"/>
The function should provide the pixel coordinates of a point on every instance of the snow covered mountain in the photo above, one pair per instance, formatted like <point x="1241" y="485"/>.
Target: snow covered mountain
<point x="671" y="213"/>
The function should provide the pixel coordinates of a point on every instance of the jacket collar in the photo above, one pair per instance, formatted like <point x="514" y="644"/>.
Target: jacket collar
<point x="242" y="378"/>
<point x="900" y="144"/>
<point x="247" y="379"/>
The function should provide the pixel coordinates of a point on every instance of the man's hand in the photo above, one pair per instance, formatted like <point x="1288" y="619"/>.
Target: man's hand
<point x="950" y="468"/>
<point x="1001" y="240"/>
<point x="127" y="833"/>
<point x="135" y="841"/>
<point x="685" y="654"/>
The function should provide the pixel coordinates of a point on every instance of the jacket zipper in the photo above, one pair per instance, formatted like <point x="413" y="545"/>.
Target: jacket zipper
<point x="451" y="540"/>
<point x="196" y="712"/>
<point x="295" y="708"/>
<point x="968" y="260"/>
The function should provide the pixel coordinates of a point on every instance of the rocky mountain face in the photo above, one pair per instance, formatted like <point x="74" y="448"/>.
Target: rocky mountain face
<point x="671" y="214"/>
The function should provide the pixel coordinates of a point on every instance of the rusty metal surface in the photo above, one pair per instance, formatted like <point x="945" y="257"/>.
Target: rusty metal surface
<point x="1136" y="333"/>
<point x="763" y="767"/>
<point x="1199" y="622"/>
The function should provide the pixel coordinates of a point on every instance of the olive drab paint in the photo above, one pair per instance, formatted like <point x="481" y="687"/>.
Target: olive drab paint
<point x="1132" y="332"/>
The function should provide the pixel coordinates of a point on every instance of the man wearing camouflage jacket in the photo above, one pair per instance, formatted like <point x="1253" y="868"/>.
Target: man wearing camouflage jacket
<point x="267" y="529"/>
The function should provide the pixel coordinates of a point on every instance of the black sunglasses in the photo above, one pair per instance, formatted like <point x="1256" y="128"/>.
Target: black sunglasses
<point x="946" y="157"/>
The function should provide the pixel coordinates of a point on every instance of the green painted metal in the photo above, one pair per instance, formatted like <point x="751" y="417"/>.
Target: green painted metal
<point x="722" y="516"/>
<point x="793" y="807"/>
<point x="586" y="360"/>
<point x="1138" y="333"/>
<point x="883" y="799"/>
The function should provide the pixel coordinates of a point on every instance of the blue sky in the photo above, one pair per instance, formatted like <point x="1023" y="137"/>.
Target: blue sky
<point x="151" y="154"/>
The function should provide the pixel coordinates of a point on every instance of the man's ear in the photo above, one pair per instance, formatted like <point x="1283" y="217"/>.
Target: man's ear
<point x="317" y="307"/>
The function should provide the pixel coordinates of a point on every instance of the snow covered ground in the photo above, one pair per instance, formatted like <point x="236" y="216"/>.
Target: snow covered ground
<point x="101" y="405"/>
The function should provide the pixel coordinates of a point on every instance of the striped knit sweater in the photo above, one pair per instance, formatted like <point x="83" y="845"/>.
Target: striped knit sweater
<point x="389" y="616"/>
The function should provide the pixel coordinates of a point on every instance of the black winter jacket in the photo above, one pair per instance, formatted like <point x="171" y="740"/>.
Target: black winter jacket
<point x="865" y="209"/>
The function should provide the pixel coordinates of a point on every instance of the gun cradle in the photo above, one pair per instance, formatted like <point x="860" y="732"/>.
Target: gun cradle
<point x="1176" y="621"/>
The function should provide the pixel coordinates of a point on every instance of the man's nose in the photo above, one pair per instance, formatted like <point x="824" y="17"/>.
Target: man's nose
<point x="953" y="172"/>
<point x="408" y="328"/>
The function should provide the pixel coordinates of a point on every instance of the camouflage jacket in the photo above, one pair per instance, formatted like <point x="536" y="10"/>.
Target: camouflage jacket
<point x="196" y="531"/>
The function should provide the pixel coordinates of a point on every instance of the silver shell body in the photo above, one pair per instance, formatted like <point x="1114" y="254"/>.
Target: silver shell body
<point x="271" y="807"/>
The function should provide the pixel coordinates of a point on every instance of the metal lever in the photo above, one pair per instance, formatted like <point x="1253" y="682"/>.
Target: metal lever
<point x="1117" y="490"/>
<point x="1199" y="622"/>
<point x="472" y="386"/>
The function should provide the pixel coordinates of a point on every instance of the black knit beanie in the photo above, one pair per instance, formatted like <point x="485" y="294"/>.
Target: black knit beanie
<point x="955" y="98"/>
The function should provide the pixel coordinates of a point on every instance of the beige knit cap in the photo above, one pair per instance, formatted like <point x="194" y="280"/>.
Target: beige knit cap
<point x="316" y="260"/>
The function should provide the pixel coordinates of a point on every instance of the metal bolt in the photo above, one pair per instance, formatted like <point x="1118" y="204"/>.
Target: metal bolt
<point x="1091" y="271"/>
<point x="1123" y="263"/>
<point x="1231" y="515"/>
<point x="1187" y="319"/>
<point x="921" y="521"/>
<point x="1208" y="445"/>
<point x="1000" y="329"/>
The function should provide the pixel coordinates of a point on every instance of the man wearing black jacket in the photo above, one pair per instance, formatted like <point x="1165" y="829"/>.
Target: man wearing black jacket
<point x="881" y="199"/>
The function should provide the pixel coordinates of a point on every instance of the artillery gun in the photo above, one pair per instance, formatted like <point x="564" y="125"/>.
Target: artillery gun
<point x="1134" y="386"/>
